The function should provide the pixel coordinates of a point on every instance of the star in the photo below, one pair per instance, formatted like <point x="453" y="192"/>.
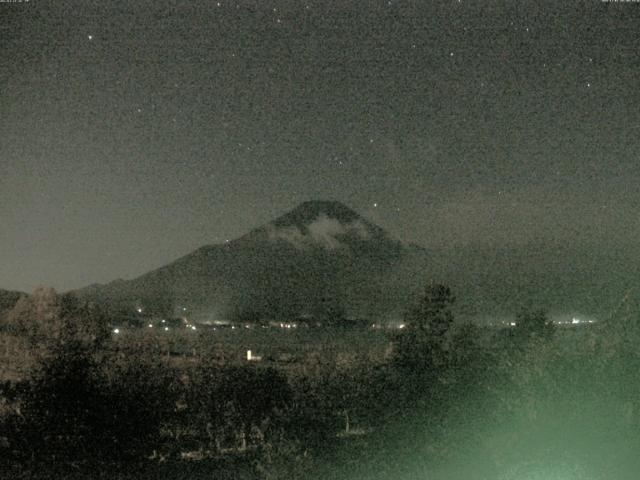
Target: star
<point x="90" y="37"/>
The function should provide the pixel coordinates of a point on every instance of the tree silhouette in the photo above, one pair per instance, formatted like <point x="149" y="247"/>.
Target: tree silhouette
<point x="423" y="344"/>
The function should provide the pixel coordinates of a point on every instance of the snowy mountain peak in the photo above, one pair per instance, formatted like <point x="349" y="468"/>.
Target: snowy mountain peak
<point x="308" y="212"/>
<point x="322" y="223"/>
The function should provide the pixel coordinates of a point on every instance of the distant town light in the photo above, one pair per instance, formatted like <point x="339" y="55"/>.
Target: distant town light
<point x="166" y="329"/>
<point x="164" y="321"/>
<point x="116" y="330"/>
<point x="512" y="324"/>
<point x="253" y="358"/>
<point x="150" y="325"/>
<point x="193" y="327"/>
<point x="402" y="325"/>
<point x="139" y="309"/>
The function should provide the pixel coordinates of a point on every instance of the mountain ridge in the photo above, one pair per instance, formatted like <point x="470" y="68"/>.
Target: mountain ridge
<point x="323" y="258"/>
<point x="320" y="258"/>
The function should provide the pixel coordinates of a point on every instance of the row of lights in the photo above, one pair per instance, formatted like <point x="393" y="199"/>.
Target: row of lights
<point x="166" y="329"/>
<point x="288" y="325"/>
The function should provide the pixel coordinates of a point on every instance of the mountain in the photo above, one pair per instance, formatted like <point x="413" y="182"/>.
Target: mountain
<point x="567" y="279"/>
<point x="320" y="259"/>
<point x="323" y="259"/>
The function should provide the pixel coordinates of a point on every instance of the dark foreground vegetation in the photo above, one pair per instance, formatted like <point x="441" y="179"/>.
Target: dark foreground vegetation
<point x="449" y="401"/>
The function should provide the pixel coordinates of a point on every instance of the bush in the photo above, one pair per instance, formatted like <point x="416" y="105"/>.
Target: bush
<point x="73" y="415"/>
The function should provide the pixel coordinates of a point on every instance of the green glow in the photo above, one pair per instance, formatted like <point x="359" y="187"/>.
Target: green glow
<point x="555" y="472"/>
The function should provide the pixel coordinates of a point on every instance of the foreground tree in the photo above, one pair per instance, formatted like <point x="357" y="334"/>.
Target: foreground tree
<point x="49" y="321"/>
<point x="231" y="407"/>
<point x="423" y="345"/>
<point x="80" y="408"/>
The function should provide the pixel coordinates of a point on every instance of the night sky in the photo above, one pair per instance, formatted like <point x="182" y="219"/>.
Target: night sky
<point x="134" y="132"/>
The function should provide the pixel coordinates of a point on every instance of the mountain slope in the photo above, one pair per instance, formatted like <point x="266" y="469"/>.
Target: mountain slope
<point x="320" y="259"/>
<point x="324" y="259"/>
<point x="565" y="279"/>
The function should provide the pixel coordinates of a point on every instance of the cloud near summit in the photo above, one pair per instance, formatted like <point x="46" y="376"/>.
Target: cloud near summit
<point x="324" y="231"/>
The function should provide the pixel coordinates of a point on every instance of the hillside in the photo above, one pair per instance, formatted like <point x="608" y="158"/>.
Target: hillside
<point x="325" y="260"/>
<point x="320" y="259"/>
